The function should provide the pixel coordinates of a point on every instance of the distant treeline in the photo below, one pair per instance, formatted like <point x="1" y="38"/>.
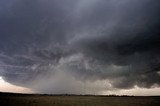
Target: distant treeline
<point x="24" y="94"/>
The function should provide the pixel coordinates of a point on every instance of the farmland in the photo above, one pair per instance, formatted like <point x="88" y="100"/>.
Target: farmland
<point x="9" y="99"/>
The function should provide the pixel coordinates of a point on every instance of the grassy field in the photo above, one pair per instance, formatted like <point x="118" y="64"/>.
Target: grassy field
<point x="7" y="99"/>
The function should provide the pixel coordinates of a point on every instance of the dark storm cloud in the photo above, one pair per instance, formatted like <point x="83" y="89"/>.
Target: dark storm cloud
<point x="45" y="44"/>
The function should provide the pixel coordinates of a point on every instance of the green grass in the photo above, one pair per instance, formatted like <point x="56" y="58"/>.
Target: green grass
<point x="64" y="100"/>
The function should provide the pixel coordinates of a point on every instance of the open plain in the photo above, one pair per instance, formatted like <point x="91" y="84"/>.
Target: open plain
<point x="9" y="99"/>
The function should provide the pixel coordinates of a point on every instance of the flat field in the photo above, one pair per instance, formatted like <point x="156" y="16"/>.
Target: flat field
<point x="7" y="99"/>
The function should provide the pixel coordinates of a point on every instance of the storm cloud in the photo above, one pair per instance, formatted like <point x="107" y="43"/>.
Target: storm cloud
<point x="80" y="46"/>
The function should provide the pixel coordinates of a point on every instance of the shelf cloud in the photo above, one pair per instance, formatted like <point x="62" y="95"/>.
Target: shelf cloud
<point x="80" y="46"/>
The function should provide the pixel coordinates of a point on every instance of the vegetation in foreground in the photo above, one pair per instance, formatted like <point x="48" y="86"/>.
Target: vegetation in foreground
<point x="9" y="99"/>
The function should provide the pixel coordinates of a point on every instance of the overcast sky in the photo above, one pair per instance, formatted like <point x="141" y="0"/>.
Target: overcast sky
<point x="80" y="46"/>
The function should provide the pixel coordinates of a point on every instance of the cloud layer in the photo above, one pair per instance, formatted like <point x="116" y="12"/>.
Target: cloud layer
<point x="86" y="46"/>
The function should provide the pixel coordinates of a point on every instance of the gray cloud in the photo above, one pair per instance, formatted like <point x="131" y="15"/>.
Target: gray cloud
<point x="51" y="45"/>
